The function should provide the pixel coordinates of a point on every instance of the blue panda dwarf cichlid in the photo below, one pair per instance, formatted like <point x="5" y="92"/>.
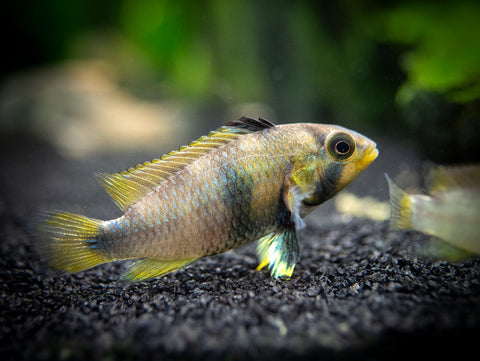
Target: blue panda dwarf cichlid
<point x="249" y="180"/>
<point x="449" y="211"/>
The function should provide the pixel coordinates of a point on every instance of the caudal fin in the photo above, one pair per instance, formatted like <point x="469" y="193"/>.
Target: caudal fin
<point x="401" y="206"/>
<point x="70" y="242"/>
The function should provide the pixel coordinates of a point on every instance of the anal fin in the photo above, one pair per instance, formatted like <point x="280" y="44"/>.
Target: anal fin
<point x="279" y="250"/>
<point x="440" y="250"/>
<point x="151" y="267"/>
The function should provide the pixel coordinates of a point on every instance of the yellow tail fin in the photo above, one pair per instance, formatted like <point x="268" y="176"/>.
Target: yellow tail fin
<point x="70" y="242"/>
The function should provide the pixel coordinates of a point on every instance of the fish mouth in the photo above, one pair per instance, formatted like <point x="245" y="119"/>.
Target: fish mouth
<point x="371" y="154"/>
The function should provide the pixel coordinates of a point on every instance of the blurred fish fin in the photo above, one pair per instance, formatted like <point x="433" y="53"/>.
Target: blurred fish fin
<point x="441" y="178"/>
<point x="70" y="242"/>
<point x="129" y="186"/>
<point x="439" y="249"/>
<point x="400" y="206"/>
<point x="151" y="267"/>
<point x="279" y="250"/>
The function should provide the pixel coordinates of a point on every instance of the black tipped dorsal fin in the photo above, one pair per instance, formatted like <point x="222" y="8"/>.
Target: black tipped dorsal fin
<point x="251" y="124"/>
<point x="129" y="186"/>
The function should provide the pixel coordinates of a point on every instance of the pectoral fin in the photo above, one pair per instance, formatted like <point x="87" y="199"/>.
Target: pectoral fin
<point x="293" y="198"/>
<point x="279" y="250"/>
<point x="303" y="187"/>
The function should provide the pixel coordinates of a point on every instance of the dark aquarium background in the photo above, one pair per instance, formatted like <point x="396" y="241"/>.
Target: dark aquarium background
<point x="116" y="76"/>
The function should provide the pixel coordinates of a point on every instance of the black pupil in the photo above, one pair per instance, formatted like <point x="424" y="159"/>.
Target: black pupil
<point x="342" y="147"/>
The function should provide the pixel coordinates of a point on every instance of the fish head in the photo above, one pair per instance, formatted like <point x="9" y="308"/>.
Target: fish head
<point x="346" y="155"/>
<point x="340" y="156"/>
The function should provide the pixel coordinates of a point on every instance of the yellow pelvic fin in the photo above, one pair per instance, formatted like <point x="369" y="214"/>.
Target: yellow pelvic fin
<point x="279" y="250"/>
<point x="400" y="206"/>
<point x="70" y="242"/>
<point x="150" y="267"/>
<point x="129" y="186"/>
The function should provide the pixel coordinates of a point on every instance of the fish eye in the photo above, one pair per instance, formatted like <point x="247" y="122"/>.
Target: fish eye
<point x="340" y="146"/>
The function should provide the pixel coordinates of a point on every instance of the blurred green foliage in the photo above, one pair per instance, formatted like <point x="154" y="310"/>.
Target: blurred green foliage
<point x="445" y="53"/>
<point x="402" y="67"/>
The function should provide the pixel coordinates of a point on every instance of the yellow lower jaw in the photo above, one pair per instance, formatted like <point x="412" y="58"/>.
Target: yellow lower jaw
<point x="370" y="156"/>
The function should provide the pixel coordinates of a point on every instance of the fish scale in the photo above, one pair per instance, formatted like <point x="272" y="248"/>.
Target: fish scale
<point x="250" y="180"/>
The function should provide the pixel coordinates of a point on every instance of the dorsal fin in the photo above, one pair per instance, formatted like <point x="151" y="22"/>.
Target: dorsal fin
<point x="441" y="178"/>
<point x="251" y="124"/>
<point x="129" y="186"/>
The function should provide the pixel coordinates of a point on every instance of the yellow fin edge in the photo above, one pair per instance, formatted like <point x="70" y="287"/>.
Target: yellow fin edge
<point x="149" y="268"/>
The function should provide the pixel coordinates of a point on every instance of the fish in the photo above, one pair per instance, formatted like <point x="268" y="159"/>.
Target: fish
<point x="449" y="210"/>
<point x="245" y="181"/>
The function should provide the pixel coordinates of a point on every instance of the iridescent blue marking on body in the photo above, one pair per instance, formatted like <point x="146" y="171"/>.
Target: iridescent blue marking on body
<point x="143" y="226"/>
<point x="180" y="212"/>
<point x="206" y="191"/>
<point x="92" y="243"/>
<point x="196" y="202"/>
<point x="223" y="176"/>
